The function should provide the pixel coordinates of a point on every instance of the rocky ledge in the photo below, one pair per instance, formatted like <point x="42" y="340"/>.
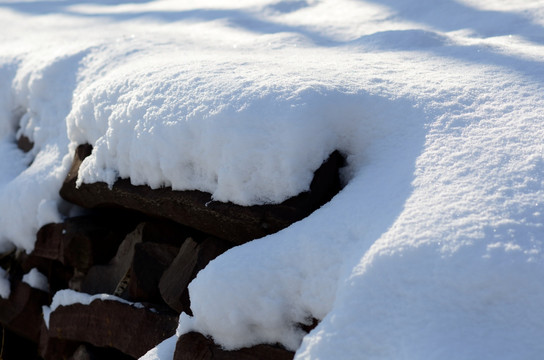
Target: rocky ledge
<point x="143" y="247"/>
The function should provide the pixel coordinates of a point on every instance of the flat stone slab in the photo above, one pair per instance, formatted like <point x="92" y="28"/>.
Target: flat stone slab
<point x="127" y="328"/>
<point x="83" y="241"/>
<point x="22" y="311"/>
<point x="238" y="224"/>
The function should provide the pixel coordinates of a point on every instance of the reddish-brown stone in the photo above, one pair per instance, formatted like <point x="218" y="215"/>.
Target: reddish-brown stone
<point x="149" y="263"/>
<point x="195" y="346"/>
<point x="107" y="323"/>
<point x="22" y="311"/>
<point x="196" y="209"/>
<point x="51" y="348"/>
<point x="83" y="241"/>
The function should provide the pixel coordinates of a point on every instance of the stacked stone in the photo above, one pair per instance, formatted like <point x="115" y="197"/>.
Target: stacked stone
<point x="142" y="245"/>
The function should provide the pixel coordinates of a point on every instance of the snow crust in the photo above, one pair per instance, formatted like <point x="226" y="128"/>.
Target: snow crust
<point x="5" y="286"/>
<point x="36" y="279"/>
<point x="434" y="247"/>
<point x="68" y="297"/>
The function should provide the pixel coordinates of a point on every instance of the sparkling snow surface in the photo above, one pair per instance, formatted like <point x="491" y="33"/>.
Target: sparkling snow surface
<point x="433" y="250"/>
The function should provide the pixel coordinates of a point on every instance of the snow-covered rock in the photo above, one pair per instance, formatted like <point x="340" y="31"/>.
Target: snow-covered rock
<point x="434" y="246"/>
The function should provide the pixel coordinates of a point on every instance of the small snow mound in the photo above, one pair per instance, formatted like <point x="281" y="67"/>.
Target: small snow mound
<point x="5" y="286"/>
<point x="36" y="279"/>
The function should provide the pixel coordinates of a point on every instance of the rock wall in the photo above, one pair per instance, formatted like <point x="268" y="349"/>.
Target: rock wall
<point x="143" y="246"/>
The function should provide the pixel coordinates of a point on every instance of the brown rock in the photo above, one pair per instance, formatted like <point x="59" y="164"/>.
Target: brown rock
<point x="49" y="242"/>
<point x="149" y="263"/>
<point x="89" y="352"/>
<point x="193" y="256"/>
<point x="107" y="323"/>
<point x="195" y="346"/>
<point x="83" y="241"/>
<point x="168" y="232"/>
<point x="196" y="209"/>
<point x="51" y="348"/>
<point x="22" y="312"/>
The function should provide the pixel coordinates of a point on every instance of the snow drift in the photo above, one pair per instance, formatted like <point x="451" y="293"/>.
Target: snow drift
<point x="434" y="247"/>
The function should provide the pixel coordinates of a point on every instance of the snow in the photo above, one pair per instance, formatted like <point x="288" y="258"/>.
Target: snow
<point x="434" y="247"/>
<point x="68" y="297"/>
<point x="36" y="279"/>
<point x="163" y="351"/>
<point x="5" y="286"/>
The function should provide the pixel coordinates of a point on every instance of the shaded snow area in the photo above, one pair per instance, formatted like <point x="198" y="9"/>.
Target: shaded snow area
<point x="433" y="249"/>
<point x="36" y="279"/>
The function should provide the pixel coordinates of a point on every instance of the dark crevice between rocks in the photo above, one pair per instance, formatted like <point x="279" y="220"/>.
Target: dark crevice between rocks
<point x="24" y="143"/>
<point x="15" y="347"/>
<point x="309" y="325"/>
<point x="143" y="245"/>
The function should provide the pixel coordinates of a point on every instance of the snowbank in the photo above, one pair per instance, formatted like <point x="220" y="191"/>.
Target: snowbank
<point x="434" y="247"/>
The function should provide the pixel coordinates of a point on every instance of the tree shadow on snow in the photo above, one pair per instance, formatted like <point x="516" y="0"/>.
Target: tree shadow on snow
<point x="237" y="18"/>
<point x="451" y="15"/>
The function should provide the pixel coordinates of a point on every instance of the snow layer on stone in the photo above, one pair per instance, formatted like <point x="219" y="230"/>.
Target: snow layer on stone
<point x="5" y="286"/>
<point x="434" y="247"/>
<point x="36" y="279"/>
<point x="69" y="297"/>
